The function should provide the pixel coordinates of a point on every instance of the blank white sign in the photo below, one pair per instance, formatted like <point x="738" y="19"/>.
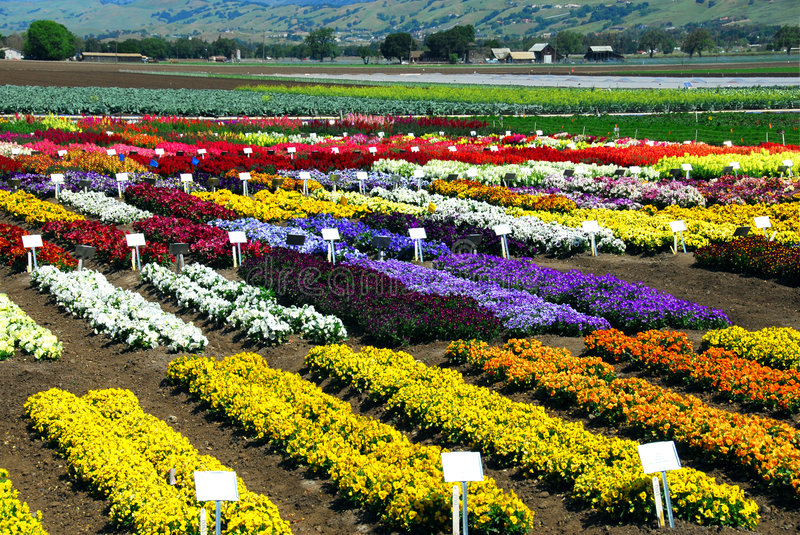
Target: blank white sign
<point x="418" y="173"/>
<point x="330" y="234"/>
<point x="591" y="226"/>
<point x="502" y="230"/>
<point x="686" y="166"/>
<point x="134" y="240"/>
<point x="462" y="466"/>
<point x="677" y="226"/>
<point x="237" y="237"/>
<point x="659" y="457"/>
<point x="122" y="177"/>
<point x="247" y="150"/>
<point x="417" y="233"/>
<point x="159" y="152"/>
<point x="186" y="177"/>
<point x="304" y="175"/>
<point x="762" y="221"/>
<point x="361" y="175"/>
<point x="216" y="486"/>
<point x="31" y="240"/>
<point x="244" y="176"/>
<point x="57" y="178"/>
<point x="111" y="152"/>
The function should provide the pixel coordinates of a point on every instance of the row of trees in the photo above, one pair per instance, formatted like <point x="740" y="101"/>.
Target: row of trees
<point x="49" y="40"/>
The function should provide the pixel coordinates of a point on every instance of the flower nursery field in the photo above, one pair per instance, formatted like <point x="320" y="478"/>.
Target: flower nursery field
<point x="554" y="363"/>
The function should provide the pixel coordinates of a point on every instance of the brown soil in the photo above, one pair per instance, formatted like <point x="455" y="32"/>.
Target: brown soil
<point x="80" y="74"/>
<point x="92" y="361"/>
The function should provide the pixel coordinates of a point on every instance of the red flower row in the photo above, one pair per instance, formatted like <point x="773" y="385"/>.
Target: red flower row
<point x="14" y="254"/>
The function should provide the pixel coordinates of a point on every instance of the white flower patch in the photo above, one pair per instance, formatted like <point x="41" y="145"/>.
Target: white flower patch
<point x="109" y="210"/>
<point x="17" y="329"/>
<point x="242" y="306"/>
<point x="550" y="238"/>
<point x="119" y="314"/>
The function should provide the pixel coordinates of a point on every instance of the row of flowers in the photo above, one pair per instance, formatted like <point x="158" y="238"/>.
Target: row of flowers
<point x="520" y="312"/>
<point x="671" y="354"/>
<point x="253" y="310"/>
<point x="17" y="329"/>
<point x="604" y="473"/>
<point x="99" y="205"/>
<point x="120" y="314"/>
<point x="25" y="206"/>
<point x="371" y="463"/>
<point x="108" y="428"/>
<point x="548" y="238"/>
<point x="174" y="203"/>
<point x="12" y="252"/>
<point x="622" y="304"/>
<point x="772" y="346"/>
<point x="753" y="256"/>
<point x="769" y="448"/>
<point x="383" y="308"/>
<point x="15" y="515"/>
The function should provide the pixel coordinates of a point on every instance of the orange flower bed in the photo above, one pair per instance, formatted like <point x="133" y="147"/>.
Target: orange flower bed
<point x="470" y="189"/>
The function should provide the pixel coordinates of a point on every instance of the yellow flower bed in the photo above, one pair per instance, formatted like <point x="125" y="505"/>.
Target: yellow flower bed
<point x="772" y="346"/>
<point x="370" y="204"/>
<point x="114" y="446"/>
<point x="757" y="164"/>
<point x="307" y="206"/>
<point x="32" y="210"/>
<point x="15" y="516"/>
<point x="372" y="463"/>
<point x="246" y="206"/>
<point x="648" y="229"/>
<point x="603" y="472"/>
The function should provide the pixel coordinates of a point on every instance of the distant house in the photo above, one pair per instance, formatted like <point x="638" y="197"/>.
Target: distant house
<point x="521" y="57"/>
<point x="501" y="54"/>
<point x="602" y="53"/>
<point x="416" y="56"/>
<point x="10" y="53"/>
<point x="110" y="57"/>
<point x="545" y="53"/>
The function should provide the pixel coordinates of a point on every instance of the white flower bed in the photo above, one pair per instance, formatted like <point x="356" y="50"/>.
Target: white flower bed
<point x="98" y="205"/>
<point x="531" y="173"/>
<point x="17" y="329"/>
<point x="119" y="314"/>
<point x="243" y="306"/>
<point x="550" y="238"/>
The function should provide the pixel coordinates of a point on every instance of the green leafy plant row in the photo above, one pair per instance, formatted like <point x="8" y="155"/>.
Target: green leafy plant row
<point x="396" y="100"/>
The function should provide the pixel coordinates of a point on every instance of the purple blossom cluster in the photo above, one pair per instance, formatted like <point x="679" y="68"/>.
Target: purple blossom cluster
<point x="359" y="235"/>
<point x="633" y="307"/>
<point x="275" y="236"/>
<point x="731" y="189"/>
<point x="381" y="307"/>
<point x="521" y="312"/>
<point x="42" y="185"/>
<point x="448" y="231"/>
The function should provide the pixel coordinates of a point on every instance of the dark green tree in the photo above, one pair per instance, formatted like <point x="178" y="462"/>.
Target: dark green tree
<point x="154" y="47"/>
<point x="321" y="44"/>
<point x="696" y="41"/>
<point x="129" y="46"/>
<point x="48" y="40"/>
<point x="787" y="37"/>
<point x="365" y="53"/>
<point x="652" y="40"/>
<point x="568" y="42"/>
<point x="397" y="45"/>
<point x="456" y="40"/>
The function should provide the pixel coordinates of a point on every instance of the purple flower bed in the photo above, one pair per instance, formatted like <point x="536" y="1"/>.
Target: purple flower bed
<point x="275" y="236"/>
<point x="388" y="312"/>
<point x="448" y="231"/>
<point x="42" y="185"/>
<point x="520" y="312"/>
<point x="359" y="235"/>
<point x="633" y="307"/>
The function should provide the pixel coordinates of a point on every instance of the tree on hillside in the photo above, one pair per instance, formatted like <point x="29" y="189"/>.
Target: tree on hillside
<point x="652" y="40"/>
<point x="48" y="40"/>
<point x="397" y="45"/>
<point x="697" y="40"/>
<point x="456" y="40"/>
<point x="787" y="37"/>
<point x="568" y="42"/>
<point x="321" y="44"/>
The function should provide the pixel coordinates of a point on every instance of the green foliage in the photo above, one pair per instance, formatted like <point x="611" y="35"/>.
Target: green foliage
<point x="48" y="40"/>
<point x="321" y="44"/>
<point x="397" y="45"/>
<point x="456" y="40"/>
<point x="696" y="41"/>
<point x="787" y="37"/>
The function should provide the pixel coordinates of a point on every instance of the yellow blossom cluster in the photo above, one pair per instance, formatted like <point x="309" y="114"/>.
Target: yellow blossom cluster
<point x="15" y="516"/>
<point x="773" y="346"/>
<point x="370" y="462"/>
<point x="370" y="204"/>
<point x="25" y="206"/>
<point x="112" y="445"/>
<point x="305" y="206"/>
<point x="603" y="472"/>
<point x="757" y="163"/>
<point x="246" y="206"/>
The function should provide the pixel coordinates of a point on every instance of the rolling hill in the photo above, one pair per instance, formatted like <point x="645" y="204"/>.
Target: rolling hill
<point x="257" y="19"/>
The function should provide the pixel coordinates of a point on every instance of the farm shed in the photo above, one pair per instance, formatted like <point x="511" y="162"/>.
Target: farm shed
<point x="545" y="53"/>
<point x="602" y="53"/>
